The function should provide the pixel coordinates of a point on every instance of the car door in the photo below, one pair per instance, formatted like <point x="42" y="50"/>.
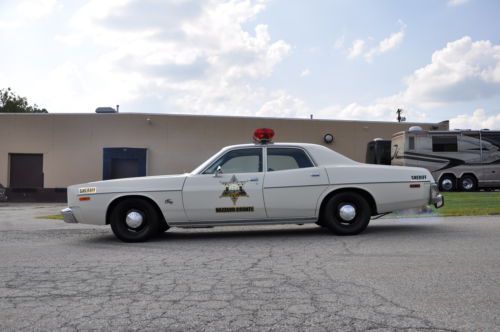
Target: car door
<point x="292" y="183"/>
<point x="232" y="193"/>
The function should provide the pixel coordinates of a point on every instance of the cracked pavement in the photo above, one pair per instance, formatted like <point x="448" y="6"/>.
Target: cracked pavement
<point x="419" y="274"/>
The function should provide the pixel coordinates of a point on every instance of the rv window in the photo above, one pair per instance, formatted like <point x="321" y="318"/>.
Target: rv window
<point x="493" y="138"/>
<point x="411" y="143"/>
<point x="444" y="144"/>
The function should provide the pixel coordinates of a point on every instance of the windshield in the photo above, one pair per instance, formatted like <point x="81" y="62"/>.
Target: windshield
<point x="207" y="162"/>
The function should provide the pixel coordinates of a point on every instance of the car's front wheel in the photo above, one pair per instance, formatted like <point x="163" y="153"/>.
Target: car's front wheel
<point x="346" y="213"/>
<point x="134" y="220"/>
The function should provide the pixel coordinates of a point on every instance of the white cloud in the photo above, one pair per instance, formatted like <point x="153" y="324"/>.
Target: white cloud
<point x="463" y="70"/>
<point x="34" y="9"/>
<point x="190" y="56"/>
<point x="15" y="14"/>
<point x="477" y="120"/>
<point x="454" y="3"/>
<point x="392" y="41"/>
<point x="383" y="109"/>
<point x="357" y="48"/>
<point x="305" y="72"/>
<point x="284" y="105"/>
<point x="339" y="43"/>
<point x="385" y="45"/>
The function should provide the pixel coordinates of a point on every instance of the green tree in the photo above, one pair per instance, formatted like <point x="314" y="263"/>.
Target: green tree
<point x="12" y="103"/>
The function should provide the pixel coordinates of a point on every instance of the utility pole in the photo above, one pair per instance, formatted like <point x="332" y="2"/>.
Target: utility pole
<point x="400" y="118"/>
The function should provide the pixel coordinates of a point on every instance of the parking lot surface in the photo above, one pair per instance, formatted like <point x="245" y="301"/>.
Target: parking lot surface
<point x="409" y="274"/>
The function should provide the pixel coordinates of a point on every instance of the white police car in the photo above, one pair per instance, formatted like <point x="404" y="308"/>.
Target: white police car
<point x="263" y="183"/>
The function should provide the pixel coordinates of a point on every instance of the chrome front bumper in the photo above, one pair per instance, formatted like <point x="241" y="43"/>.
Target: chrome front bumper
<point x="68" y="216"/>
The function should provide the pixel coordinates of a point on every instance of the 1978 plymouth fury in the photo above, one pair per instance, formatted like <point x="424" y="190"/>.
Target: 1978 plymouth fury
<point x="255" y="184"/>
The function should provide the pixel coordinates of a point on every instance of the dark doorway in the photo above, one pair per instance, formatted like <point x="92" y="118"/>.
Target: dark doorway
<point x="124" y="163"/>
<point x="26" y="170"/>
<point x="124" y="168"/>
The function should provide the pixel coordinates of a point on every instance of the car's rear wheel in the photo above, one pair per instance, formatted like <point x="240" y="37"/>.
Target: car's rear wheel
<point x="134" y="220"/>
<point x="346" y="213"/>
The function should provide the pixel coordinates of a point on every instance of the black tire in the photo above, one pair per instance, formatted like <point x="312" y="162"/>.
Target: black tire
<point x="447" y="183"/>
<point x="163" y="227"/>
<point x="150" y="220"/>
<point x="332" y="217"/>
<point x="320" y="223"/>
<point x="468" y="183"/>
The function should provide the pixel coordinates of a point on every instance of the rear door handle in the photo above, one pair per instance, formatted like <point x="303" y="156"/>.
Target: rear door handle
<point x="254" y="179"/>
<point x="315" y="175"/>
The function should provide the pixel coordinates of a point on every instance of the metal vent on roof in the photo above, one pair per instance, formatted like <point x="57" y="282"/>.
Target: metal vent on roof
<point x="101" y="110"/>
<point x="415" y="128"/>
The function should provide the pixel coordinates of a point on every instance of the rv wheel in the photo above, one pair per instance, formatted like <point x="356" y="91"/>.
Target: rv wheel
<point x="447" y="183"/>
<point x="468" y="183"/>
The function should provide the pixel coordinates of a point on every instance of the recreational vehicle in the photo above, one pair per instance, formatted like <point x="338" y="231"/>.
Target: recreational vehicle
<point x="464" y="160"/>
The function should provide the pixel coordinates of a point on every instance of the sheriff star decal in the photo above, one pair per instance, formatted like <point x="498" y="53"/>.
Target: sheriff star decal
<point x="234" y="189"/>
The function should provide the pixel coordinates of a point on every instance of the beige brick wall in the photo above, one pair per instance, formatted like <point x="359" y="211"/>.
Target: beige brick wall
<point x="72" y="143"/>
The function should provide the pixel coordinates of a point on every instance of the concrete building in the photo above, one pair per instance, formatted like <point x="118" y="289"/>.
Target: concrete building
<point x="41" y="154"/>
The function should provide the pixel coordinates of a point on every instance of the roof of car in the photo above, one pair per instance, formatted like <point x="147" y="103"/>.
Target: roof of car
<point x="282" y="144"/>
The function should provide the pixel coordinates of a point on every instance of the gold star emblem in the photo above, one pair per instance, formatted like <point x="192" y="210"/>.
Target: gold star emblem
<point x="234" y="189"/>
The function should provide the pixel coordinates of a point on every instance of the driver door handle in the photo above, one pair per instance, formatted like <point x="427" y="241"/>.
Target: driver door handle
<point x="254" y="179"/>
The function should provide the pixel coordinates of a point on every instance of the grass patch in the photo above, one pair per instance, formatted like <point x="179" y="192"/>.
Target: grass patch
<point x="470" y="204"/>
<point x="53" y="217"/>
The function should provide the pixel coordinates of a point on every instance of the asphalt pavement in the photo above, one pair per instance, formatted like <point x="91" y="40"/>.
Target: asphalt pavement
<point x="401" y="274"/>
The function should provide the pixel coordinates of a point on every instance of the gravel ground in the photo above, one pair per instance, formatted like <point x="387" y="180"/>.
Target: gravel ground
<point x="409" y="274"/>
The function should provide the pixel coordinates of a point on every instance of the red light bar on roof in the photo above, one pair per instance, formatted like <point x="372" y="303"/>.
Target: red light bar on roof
<point x="263" y="135"/>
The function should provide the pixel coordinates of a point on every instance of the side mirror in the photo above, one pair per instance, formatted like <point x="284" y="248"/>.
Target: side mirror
<point x="218" y="172"/>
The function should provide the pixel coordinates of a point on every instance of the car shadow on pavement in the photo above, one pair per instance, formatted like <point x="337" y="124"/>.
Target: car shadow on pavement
<point x="414" y="230"/>
<point x="180" y="235"/>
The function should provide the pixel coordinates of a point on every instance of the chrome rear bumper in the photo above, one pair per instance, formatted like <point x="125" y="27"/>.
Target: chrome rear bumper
<point x="438" y="201"/>
<point x="68" y="215"/>
<point x="437" y="198"/>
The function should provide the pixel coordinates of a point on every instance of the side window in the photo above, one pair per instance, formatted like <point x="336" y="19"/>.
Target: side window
<point x="444" y="144"/>
<point x="238" y="161"/>
<point x="279" y="159"/>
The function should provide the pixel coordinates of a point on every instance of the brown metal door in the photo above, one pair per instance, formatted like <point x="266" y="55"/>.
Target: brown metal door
<point x="26" y="170"/>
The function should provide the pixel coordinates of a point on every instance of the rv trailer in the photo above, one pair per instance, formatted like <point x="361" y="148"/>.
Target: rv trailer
<point x="464" y="160"/>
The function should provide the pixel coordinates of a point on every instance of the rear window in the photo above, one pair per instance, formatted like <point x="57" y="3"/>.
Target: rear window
<point x="279" y="159"/>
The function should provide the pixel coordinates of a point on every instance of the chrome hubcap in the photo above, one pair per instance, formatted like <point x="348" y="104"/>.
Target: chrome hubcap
<point x="134" y="219"/>
<point x="347" y="212"/>
<point x="467" y="184"/>
<point x="447" y="184"/>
